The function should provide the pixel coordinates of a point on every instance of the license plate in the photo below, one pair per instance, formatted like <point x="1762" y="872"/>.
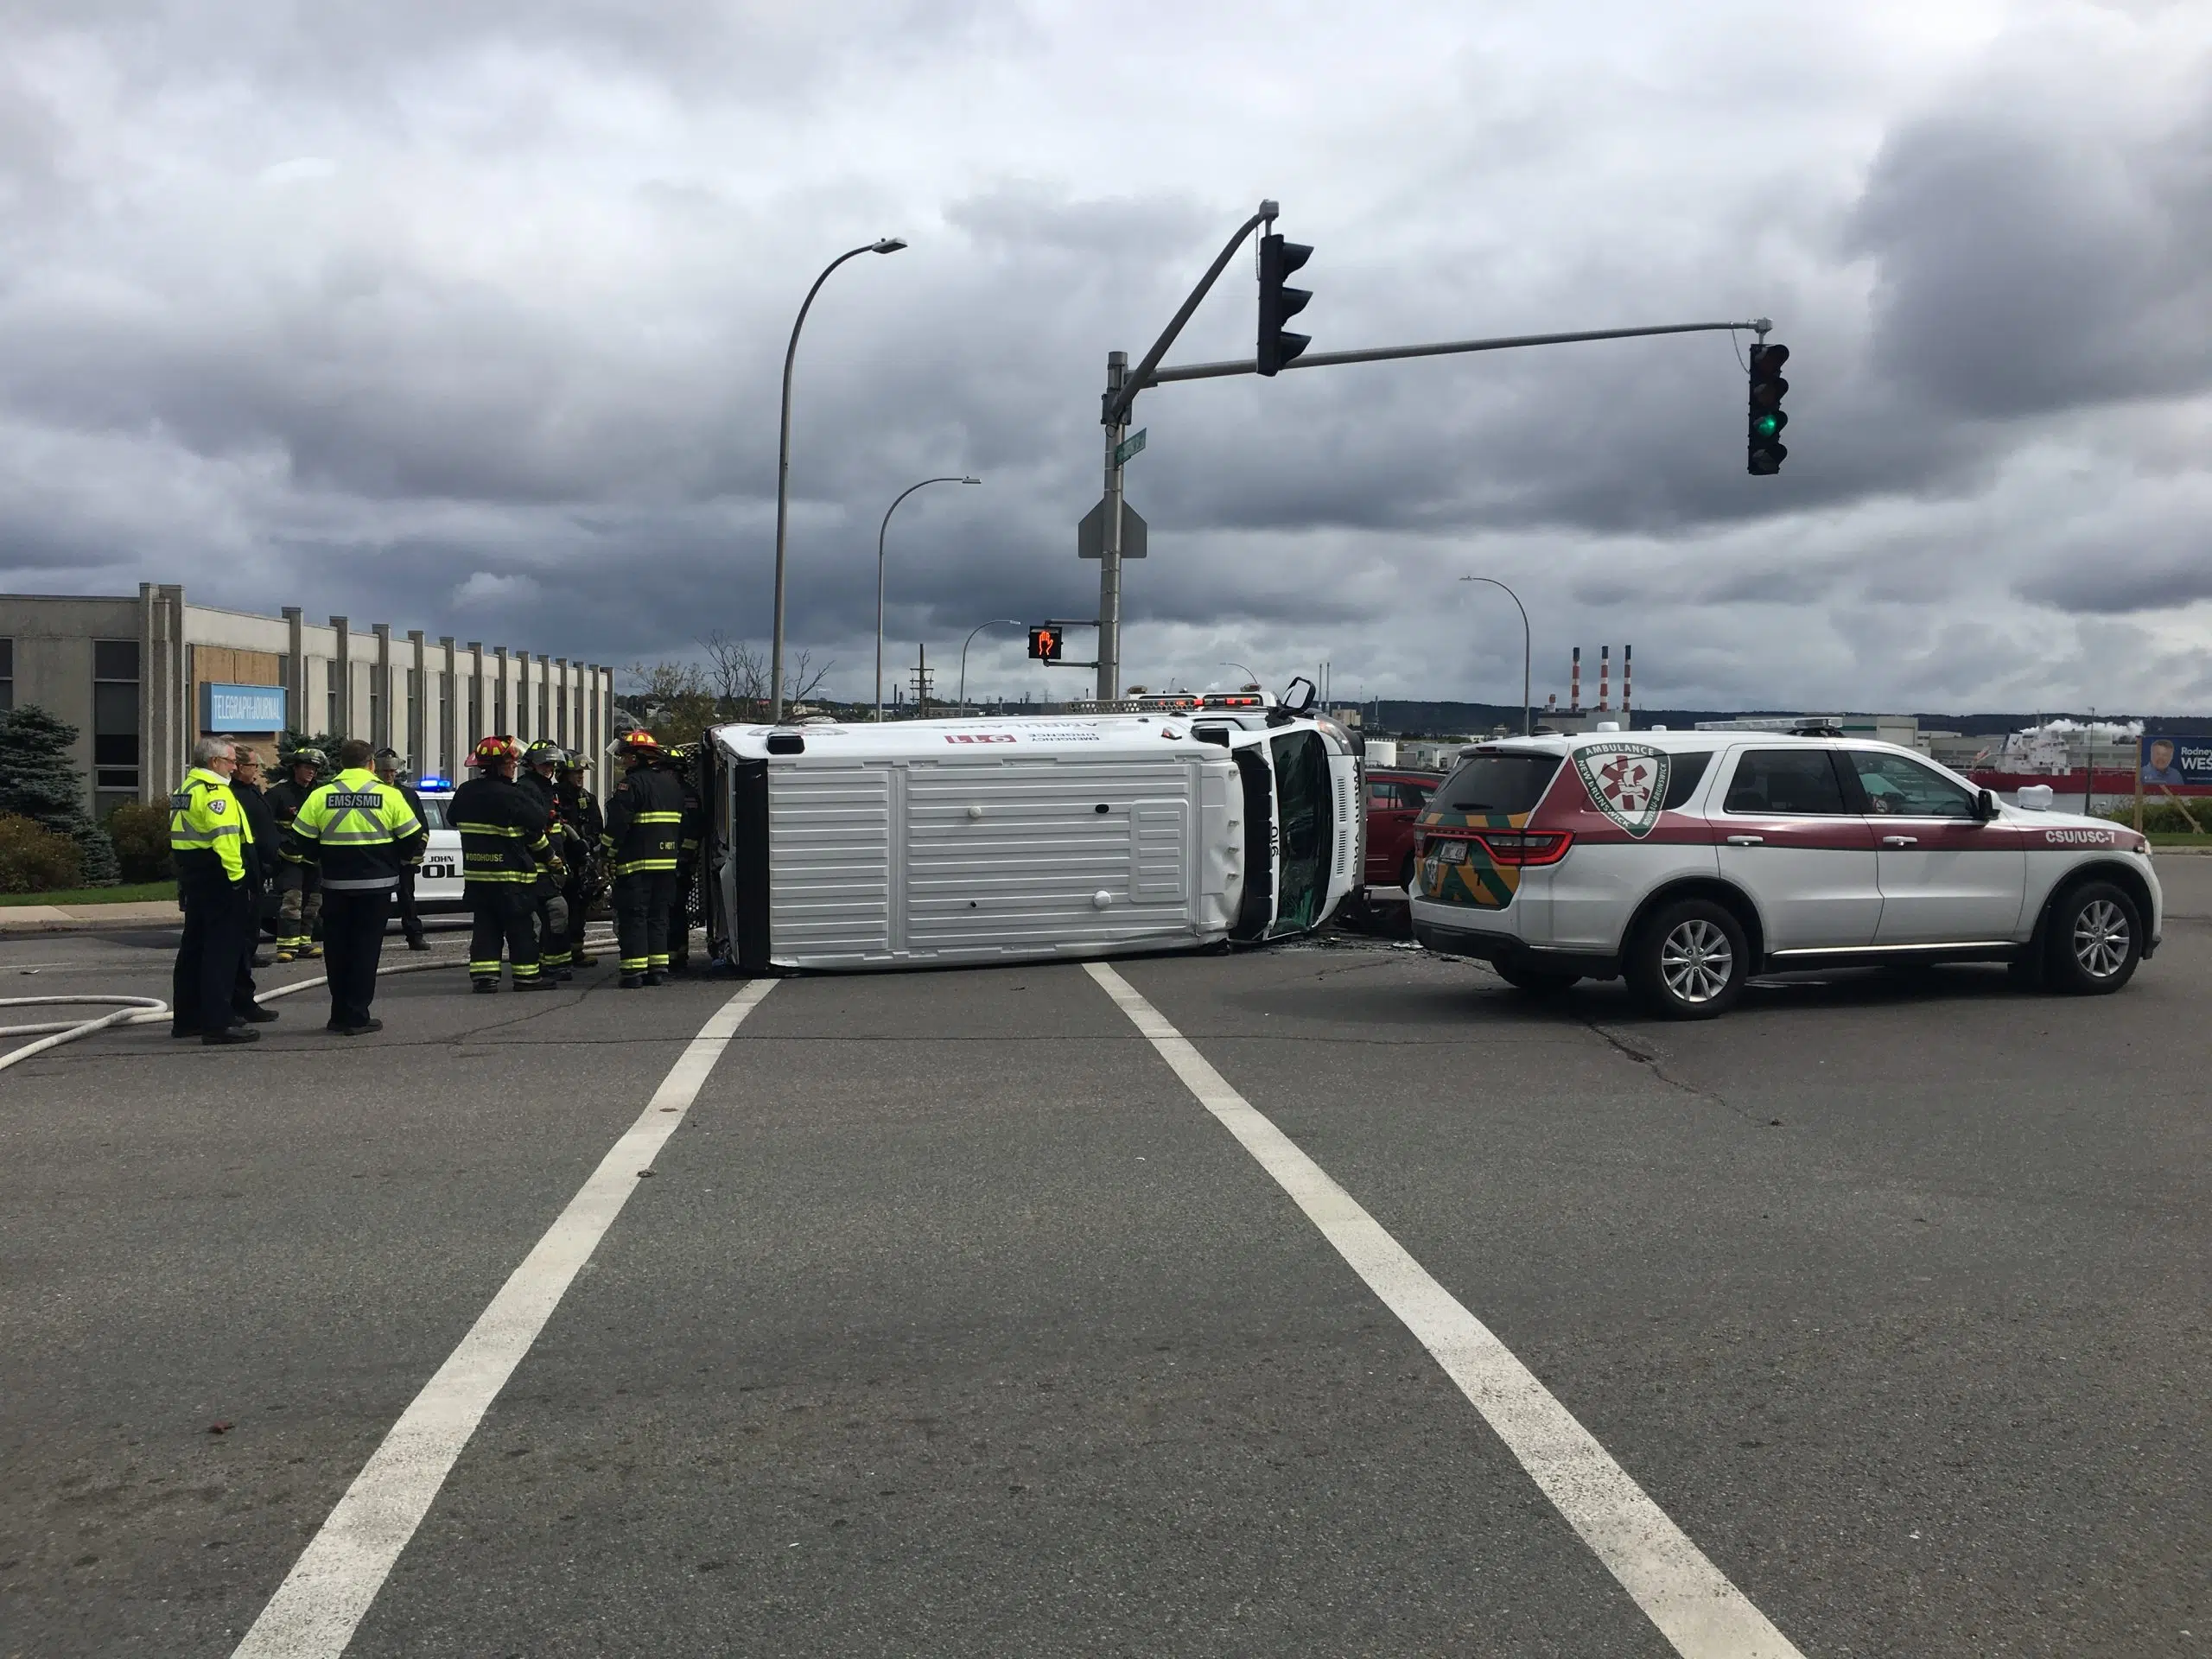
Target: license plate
<point x="1452" y="852"/>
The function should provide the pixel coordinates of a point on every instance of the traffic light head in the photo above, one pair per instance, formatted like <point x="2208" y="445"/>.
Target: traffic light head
<point x="1278" y="304"/>
<point x="1765" y="450"/>
<point x="1045" y="644"/>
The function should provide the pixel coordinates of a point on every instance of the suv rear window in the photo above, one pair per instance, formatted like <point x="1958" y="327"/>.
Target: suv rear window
<point x="1497" y="783"/>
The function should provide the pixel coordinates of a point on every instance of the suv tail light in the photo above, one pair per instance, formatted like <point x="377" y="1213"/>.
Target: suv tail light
<point x="1525" y="847"/>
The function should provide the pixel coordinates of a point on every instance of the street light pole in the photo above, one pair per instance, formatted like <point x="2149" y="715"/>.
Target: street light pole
<point x="1250" y="678"/>
<point x="995" y="622"/>
<point x="879" y="534"/>
<point x="1528" y="724"/>
<point x="887" y="244"/>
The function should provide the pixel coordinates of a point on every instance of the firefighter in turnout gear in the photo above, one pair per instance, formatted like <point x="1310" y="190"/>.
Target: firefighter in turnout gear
<point x="504" y="846"/>
<point x="682" y="763"/>
<point x="644" y="824"/>
<point x="212" y="841"/>
<point x="359" y="834"/>
<point x="579" y="812"/>
<point x="540" y="761"/>
<point x="299" y="907"/>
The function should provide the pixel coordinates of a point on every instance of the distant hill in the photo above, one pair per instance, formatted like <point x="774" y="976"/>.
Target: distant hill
<point x="1415" y="719"/>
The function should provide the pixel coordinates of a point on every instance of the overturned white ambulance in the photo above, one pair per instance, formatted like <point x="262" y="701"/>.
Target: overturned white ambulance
<point x="932" y="842"/>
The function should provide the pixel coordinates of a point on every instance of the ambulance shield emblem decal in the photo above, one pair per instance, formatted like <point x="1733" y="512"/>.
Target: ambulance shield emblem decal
<point x="1626" y="782"/>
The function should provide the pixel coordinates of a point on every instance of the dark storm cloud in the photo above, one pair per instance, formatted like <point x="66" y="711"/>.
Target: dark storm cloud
<point x="492" y="344"/>
<point x="2029" y="264"/>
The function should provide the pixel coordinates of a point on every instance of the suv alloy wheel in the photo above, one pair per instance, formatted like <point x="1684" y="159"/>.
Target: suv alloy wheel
<point x="2094" y="941"/>
<point x="1689" y="961"/>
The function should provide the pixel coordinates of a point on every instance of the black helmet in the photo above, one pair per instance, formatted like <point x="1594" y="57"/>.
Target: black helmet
<point x="544" y="752"/>
<point x="307" y="757"/>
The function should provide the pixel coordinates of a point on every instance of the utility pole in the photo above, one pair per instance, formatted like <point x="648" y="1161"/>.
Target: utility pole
<point x="922" y="677"/>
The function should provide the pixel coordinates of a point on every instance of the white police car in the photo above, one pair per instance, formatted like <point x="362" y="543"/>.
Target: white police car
<point x="1689" y="860"/>
<point x="438" y="884"/>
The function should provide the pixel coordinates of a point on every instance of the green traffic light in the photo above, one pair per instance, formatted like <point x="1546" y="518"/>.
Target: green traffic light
<point x="1768" y="426"/>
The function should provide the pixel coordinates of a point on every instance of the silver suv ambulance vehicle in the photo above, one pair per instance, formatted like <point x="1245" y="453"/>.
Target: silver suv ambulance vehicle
<point x="1690" y="861"/>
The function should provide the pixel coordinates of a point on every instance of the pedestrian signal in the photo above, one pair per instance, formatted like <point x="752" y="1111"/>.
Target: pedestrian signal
<point x="1045" y="644"/>
<point x="1766" y="452"/>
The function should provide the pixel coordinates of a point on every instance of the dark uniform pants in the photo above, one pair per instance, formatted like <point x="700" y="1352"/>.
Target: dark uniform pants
<point x="352" y="945"/>
<point x="679" y="921"/>
<point x="642" y="901"/>
<point x="506" y="914"/>
<point x="551" y="911"/>
<point x="299" y="907"/>
<point x="574" y="893"/>
<point x="212" y="956"/>
<point x="410" y="919"/>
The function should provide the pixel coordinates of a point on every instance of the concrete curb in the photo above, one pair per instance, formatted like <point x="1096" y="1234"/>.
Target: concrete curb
<point x="71" y="919"/>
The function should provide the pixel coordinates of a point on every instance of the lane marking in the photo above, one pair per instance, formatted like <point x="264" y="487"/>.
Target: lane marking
<point x="315" y="1611"/>
<point x="1692" y="1602"/>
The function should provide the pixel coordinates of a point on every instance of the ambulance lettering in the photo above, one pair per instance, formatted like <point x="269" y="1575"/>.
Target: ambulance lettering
<point x="2077" y="837"/>
<point x="1626" y="782"/>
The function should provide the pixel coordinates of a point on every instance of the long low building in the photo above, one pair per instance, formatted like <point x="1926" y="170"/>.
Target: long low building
<point x="140" y="678"/>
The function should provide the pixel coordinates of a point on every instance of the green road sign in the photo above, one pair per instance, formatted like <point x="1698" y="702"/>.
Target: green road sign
<point x="1132" y="444"/>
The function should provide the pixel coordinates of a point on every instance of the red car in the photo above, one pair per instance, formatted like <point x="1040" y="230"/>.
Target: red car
<point x="1395" y="798"/>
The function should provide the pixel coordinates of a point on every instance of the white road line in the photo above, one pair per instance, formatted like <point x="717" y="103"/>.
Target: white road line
<point x="315" y="1611"/>
<point x="1693" y="1604"/>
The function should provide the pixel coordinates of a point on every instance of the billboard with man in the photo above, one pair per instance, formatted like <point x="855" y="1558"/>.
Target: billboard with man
<point x="2175" y="762"/>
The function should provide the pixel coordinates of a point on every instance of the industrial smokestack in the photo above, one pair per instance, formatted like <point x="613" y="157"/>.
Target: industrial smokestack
<point x="1575" y="683"/>
<point x="1605" y="677"/>
<point x="1627" y="669"/>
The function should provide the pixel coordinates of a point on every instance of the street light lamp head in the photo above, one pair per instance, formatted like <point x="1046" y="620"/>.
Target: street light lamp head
<point x="971" y="480"/>
<point x="888" y="245"/>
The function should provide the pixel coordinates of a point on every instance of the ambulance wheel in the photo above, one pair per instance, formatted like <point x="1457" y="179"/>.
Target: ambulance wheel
<point x="1690" y="961"/>
<point x="1535" y="982"/>
<point x="2093" y="940"/>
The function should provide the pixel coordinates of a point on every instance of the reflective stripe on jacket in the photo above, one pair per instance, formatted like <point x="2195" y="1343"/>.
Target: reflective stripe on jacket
<point x="359" y="830"/>
<point x="502" y="829"/>
<point x="644" y="821"/>
<point x="207" y="832"/>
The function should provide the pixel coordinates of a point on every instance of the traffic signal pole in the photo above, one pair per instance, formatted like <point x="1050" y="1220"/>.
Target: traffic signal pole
<point x="1122" y="389"/>
<point x="1444" y="348"/>
<point x="1110" y="554"/>
<point x="1123" y="383"/>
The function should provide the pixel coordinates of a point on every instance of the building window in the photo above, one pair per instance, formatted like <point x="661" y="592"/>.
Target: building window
<point x="379" y="732"/>
<point x="475" y="713"/>
<point x="544" y="708"/>
<point x="115" y="723"/>
<point x="500" y="706"/>
<point x="330" y="699"/>
<point x="7" y="675"/>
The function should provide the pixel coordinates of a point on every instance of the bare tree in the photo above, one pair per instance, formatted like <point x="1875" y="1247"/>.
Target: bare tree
<point x="805" y="679"/>
<point x="677" y="698"/>
<point x="740" y="673"/>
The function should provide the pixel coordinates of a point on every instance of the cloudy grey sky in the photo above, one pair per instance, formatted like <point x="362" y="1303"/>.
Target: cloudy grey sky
<point x="469" y="316"/>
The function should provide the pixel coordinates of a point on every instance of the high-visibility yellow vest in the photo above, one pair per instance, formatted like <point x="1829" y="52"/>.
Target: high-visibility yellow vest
<point x="207" y="833"/>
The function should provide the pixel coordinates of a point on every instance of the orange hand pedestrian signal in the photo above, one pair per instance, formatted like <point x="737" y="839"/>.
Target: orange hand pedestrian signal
<point x="1045" y="644"/>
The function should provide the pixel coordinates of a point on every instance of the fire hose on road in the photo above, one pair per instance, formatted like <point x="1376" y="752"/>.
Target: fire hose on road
<point x="148" y="1010"/>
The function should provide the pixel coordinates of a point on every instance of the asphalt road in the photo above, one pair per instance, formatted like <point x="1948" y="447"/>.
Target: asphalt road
<point x="950" y="1320"/>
